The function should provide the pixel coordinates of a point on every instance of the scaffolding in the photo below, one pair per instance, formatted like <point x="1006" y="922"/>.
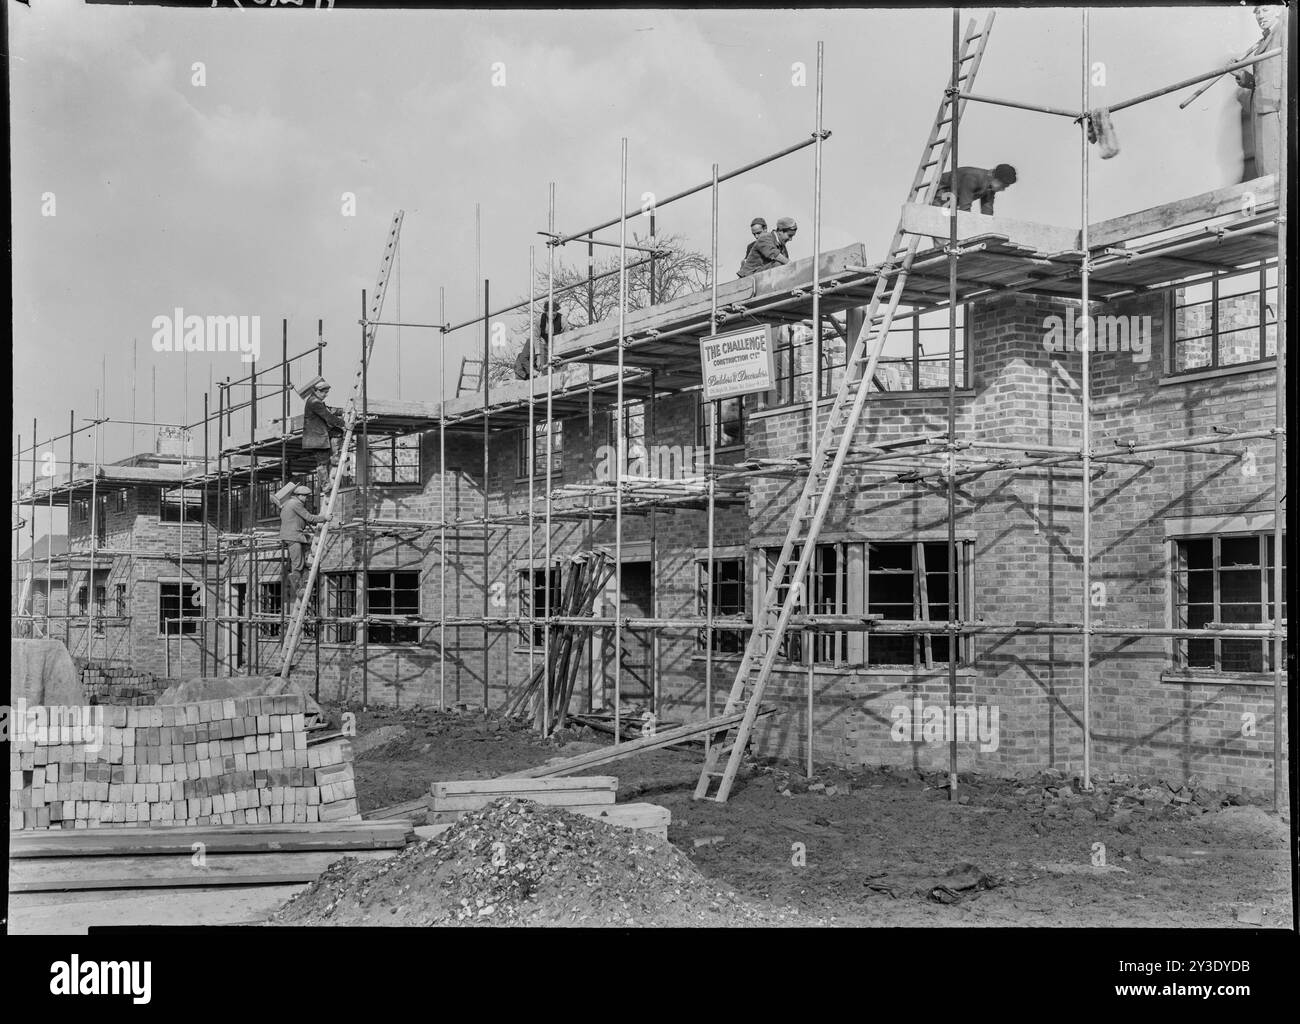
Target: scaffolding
<point x="655" y="354"/>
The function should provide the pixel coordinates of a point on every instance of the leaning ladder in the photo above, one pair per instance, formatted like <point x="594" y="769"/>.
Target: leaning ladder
<point x="298" y="616"/>
<point x="832" y="447"/>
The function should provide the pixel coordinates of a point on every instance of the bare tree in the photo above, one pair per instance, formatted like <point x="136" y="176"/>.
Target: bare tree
<point x="677" y="270"/>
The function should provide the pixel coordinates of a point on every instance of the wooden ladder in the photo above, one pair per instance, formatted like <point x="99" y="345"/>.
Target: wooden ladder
<point x="301" y="602"/>
<point x="470" y="365"/>
<point x="763" y="648"/>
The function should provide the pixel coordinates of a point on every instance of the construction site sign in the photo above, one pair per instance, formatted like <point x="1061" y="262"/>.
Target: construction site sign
<point x="738" y="363"/>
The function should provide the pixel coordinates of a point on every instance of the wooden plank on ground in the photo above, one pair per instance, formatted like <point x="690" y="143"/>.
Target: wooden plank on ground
<point x="64" y="874"/>
<point x="74" y="913"/>
<point x="471" y="794"/>
<point x="94" y="842"/>
<point x="606" y="755"/>
<point x="406" y="809"/>
<point x="641" y="817"/>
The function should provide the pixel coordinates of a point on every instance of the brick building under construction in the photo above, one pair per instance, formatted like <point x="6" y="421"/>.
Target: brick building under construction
<point x="1057" y="556"/>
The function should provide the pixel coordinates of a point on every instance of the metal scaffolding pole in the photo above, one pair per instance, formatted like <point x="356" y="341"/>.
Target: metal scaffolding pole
<point x="591" y="433"/>
<point x="362" y="465"/>
<point x="72" y="470"/>
<point x="1086" y="416"/>
<point x="222" y="479"/>
<point x="530" y="455"/>
<point x="203" y="556"/>
<point x="620" y="450"/>
<point x="487" y="533"/>
<point x="442" y="504"/>
<point x="253" y="660"/>
<point x="548" y="341"/>
<point x="1279" y="463"/>
<point x="816" y="360"/>
<point x="31" y="535"/>
<point x="712" y="479"/>
<point x="651" y="428"/>
<point x="951" y="466"/>
<point x="284" y="459"/>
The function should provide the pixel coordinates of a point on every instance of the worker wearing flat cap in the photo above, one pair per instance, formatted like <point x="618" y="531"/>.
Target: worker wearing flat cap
<point x="768" y="249"/>
<point x="295" y="520"/>
<point x="322" y="428"/>
<point x="1262" y="83"/>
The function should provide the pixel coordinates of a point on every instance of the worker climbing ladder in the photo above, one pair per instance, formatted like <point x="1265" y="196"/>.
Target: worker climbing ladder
<point x="298" y="616"/>
<point x="791" y="567"/>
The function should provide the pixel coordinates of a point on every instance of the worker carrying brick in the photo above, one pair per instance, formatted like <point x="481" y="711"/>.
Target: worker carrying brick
<point x="769" y="248"/>
<point x="322" y="429"/>
<point x="974" y="183"/>
<point x="1263" y="85"/>
<point x="295" y="520"/>
<point x="549" y="324"/>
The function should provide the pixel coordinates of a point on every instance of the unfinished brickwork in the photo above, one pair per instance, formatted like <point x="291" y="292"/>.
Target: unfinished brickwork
<point x="1019" y="534"/>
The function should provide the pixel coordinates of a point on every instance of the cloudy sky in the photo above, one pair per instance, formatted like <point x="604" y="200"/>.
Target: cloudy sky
<point x="226" y="197"/>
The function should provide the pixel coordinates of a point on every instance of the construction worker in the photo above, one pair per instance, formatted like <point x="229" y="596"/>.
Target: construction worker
<point x="974" y="183"/>
<point x="549" y="324"/>
<point x="322" y="429"/>
<point x="757" y="227"/>
<point x="294" y="521"/>
<point x="1263" y="85"/>
<point x="768" y="249"/>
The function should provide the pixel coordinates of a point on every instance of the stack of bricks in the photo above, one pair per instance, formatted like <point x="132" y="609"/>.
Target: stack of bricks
<point x="122" y="686"/>
<point x="233" y="762"/>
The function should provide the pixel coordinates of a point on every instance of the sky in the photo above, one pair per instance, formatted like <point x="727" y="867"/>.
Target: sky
<point x="225" y="196"/>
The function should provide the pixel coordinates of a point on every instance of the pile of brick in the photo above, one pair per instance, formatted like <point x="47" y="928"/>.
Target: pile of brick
<point x="121" y="686"/>
<point x="244" y="761"/>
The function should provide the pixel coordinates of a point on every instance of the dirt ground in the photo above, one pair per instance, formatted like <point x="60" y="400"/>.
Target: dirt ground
<point x="870" y="848"/>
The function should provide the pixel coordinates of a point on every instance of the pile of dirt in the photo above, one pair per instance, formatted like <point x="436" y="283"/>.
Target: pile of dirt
<point x="520" y="863"/>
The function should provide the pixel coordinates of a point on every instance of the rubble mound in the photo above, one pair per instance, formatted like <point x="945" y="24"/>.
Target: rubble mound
<point x="520" y="863"/>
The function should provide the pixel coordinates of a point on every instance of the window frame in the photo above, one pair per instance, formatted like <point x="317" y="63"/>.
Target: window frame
<point x="392" y="634"/>
<point x="270" y="601"/>
<point x="631" y="408"/>
<point x="190" y="512"/>
<point x="1180" y="607"/>
<point x="523" y="464"/>
<point x="395" y="443"/>
<point x="336" y="585"/>
<point x="725" y="641"/>
<point x="527" y="596"/>
<point x="706" y="424"/>
<point x="840" y="650"/>
<point x="1216" y="366"/>
<point x="790" y="387"/>
<point x="191" y="621"/>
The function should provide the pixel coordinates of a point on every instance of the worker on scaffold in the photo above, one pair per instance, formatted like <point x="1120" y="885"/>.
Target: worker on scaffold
<point x="322" y="429"/>
<point x="549" y="324"/>
<point x="295" y="519"/>
<point x="1263" y="85"/>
